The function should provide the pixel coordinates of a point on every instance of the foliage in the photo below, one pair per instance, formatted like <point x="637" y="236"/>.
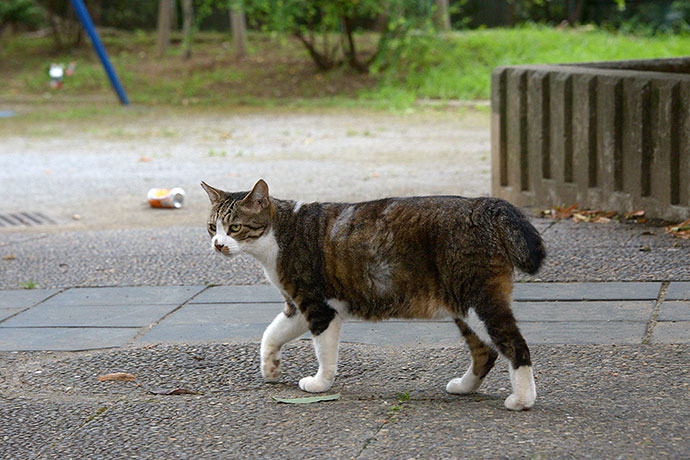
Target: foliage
<point x="654" y="18"/>
<point x="421" y="65"/>
<point x="459" y="65"/>
<point x="125" y="14"/>
<point x="327" y="28"/>
<point x="19" y="13"/>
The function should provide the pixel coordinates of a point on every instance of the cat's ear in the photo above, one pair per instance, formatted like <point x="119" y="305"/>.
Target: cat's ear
<point x="257" y="200"/>
<point x="214" y="194"/>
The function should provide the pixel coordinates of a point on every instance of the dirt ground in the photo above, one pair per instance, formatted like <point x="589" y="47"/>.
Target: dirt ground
<point x="91" y="169"/>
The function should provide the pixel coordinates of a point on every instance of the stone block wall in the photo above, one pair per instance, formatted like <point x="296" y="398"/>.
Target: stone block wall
<point x="606" y="135"/>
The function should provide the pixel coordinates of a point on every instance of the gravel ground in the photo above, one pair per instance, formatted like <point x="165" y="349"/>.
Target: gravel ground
<point x="93" y="168"/>
<point x="100" y="168"/>
<point x="598" y="401"/>
<point x="594" y="402"/>
<point x="183" y="256"/>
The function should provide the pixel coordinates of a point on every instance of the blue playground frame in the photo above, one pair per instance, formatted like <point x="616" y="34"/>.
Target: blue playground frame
<point x="85" y="19"/>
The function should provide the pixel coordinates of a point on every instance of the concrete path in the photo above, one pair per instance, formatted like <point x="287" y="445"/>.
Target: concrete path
<point x="611" y="366"/>
<point x="549" y="313"/>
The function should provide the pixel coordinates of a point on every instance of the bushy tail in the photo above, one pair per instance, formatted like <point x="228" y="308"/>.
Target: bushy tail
<point x="522" y="241"/>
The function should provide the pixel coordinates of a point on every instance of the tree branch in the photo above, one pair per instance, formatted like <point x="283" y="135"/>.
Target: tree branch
<point x="323" y="62"/>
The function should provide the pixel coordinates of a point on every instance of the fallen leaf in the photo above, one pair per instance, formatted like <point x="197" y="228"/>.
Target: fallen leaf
<point x="681" y="230"/>
<point x="121" y="376"/>
<point x="9" y="257"/>
<point x="648" y="232"/>
<point x="578" y="217"/>
<point x="308" y="400"/>
<point x="634" y="214"/>
<point x="175" y="392"/>
<point x="308" y="141"/>
<point x="601" y="220"/>
<point x="565" y="213"/>
<point x="144" y="160"/>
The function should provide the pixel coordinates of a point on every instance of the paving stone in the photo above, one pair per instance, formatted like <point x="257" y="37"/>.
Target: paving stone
<point x="587" y="291"/>
<point x="7" y="312"/>
<point x="237" y="313"/>
<point x="401" y="332"/>
<point x="589" y="332"/>
<point x="63" y="339"/>
<point x="675" y="311"/>
<point x="671" y="332"/>
<point x="583" y="311"/>
<point x="138" y="295"/>
<point x="239" y="294"/>
<point x="678" y="290"/>
<point x="192" y="333"/>
<point x="83" y="315"/>
<point x="23" y="298"/>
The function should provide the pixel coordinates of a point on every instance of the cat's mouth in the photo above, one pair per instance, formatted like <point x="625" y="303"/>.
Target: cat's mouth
<point x="225" y="250"/>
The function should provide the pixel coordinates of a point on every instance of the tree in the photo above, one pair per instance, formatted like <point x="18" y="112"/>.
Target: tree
<point x="165" y="8"/>
<point x="187" y="27"/>
<point x="328" y="28"/>
<point x="238" y="25"/>
<point x="66" y="30"/>
<point x="442" y="15"/>
<point x="18" y="12"/>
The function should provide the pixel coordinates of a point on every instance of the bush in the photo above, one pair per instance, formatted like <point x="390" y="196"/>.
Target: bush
<point x="20" y="13"/>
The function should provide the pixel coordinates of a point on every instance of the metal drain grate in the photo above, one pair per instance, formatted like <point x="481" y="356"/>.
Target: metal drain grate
<point x="25" y="219"/>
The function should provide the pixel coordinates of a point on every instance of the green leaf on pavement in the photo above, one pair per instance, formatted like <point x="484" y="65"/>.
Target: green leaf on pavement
<point x="309" y="400"/>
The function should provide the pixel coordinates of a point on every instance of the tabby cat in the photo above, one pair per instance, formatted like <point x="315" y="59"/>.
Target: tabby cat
<point x="417" y="257"/>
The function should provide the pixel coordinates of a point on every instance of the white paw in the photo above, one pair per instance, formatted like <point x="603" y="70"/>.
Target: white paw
<point x="468" y="383"/>
<point x="514" y="402"/>
<point x="270" y="365"/>
<point x="524" y="390"/>
<point x="270" y="370"/>
<point x="314" y="384"/>
<point x="463" y="386"/>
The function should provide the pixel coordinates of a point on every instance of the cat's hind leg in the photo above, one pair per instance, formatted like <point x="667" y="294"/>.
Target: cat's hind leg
<point x="500" y="325"/>
<point x="287" y="326"/>
<point x="324" y="325"/>
<point x="483" y="359"/>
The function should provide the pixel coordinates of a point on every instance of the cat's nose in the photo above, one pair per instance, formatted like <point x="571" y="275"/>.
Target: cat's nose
<point x="219" y="247"/>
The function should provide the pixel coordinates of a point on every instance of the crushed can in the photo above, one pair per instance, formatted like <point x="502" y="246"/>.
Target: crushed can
<point x="166" y="197"/>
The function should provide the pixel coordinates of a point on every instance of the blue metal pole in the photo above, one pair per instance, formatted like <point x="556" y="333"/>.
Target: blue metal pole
<point x="86" y="21"/>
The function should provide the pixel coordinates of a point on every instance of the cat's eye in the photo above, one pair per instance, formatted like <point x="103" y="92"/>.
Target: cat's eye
<point x="235" y="228"/>
<point x="212" y="228"/>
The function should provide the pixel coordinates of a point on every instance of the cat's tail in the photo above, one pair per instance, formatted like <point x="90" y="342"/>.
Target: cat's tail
<point x="522" y="241"/>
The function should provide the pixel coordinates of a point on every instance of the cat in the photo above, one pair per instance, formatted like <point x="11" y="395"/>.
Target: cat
<point x="414" y="257"/>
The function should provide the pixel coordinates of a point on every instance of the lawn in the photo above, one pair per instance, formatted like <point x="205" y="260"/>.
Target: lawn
<point x="278" y="70"/>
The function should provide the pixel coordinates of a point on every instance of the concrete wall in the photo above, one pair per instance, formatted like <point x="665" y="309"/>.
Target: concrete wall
<point x="598" y="134"/>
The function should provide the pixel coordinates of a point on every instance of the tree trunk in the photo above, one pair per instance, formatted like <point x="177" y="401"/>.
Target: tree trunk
<point x="238" y="25"/>
<point x="350" y="51"/>
<point x="322" y="61"/>
<point x="164" y="25"/>
<point x="187" y="27"/>
<point x="442" y="15"/>
<point x="575" y="11"/>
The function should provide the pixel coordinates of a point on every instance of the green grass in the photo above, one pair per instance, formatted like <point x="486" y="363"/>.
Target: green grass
<point x="278" y="71"/>
<point x="458" y="66"/>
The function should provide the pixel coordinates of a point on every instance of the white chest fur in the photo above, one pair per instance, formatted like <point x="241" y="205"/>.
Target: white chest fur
<point x="265" y="251"/>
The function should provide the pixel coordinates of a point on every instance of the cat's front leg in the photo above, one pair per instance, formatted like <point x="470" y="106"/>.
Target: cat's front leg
<point x="326" y="346"/>
<point x="287" y="326"/>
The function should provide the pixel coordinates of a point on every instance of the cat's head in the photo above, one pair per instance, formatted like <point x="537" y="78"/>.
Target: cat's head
<point x="238" y="220"/>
